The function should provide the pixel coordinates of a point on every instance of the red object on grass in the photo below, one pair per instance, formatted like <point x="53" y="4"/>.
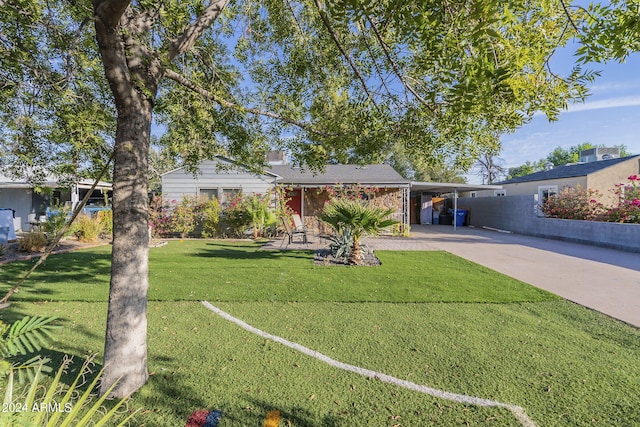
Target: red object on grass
<point x="197" y="418"/>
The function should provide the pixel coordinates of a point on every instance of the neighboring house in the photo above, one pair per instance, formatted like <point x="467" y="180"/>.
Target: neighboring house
<point x="217" y="178"/>
<point x="308" y="191"/>
<point x="601" y="175"/>
<point x="29" y="205"/>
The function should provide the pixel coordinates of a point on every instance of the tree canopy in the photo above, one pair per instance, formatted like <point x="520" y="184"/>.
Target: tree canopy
<point x="341" y="81"/>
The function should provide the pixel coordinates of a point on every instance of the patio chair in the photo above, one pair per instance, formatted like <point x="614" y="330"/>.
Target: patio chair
<point x="297" y="223"/>
<point x="291" y="232"/>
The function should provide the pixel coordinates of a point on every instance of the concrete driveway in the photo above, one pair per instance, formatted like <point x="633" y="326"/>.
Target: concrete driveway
<point x="605" y="280"/>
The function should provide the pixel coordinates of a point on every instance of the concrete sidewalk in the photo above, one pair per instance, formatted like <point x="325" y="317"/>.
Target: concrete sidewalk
<point x="605" y="280"/>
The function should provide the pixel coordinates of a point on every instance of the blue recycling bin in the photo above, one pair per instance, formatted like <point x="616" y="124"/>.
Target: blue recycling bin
<point x="461" y="216"/>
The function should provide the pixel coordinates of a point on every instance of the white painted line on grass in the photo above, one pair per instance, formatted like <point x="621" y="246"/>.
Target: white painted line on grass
<point x="517" y="411"/>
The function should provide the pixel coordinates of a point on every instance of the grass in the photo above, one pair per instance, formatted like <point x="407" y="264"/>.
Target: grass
<point x="428" y="317"/>
<point x="194" y="270"/>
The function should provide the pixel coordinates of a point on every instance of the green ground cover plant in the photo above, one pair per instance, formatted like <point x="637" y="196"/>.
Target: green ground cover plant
<point x="421" y="316"/>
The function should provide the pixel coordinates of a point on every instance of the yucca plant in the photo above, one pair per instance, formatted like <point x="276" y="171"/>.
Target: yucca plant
<point x="357" y="218"/>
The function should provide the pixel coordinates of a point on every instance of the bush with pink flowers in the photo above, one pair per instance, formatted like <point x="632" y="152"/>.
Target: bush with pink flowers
<point x="579" y="203"/>
<point x="628" y="209"/>
<point x="575" y="203"/>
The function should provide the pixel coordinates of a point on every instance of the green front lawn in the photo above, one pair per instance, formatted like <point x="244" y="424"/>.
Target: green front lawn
<point x="193" y="270"/>
<point x="428" y="317"/>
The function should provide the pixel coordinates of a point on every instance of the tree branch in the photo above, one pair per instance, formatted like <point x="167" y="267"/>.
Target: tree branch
<point x="109" y="12"/>
<point x="395" y="67"/>
<point x="188" y="38"/>
<point x="334" y="37"/>
<point x="172" y="75"/>
<point x="107" y="17"/>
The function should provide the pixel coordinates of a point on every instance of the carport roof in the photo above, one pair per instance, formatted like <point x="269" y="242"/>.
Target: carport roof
<point x="450" y="187"/>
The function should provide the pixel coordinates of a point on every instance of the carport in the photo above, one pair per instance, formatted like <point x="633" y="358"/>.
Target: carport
<point x="450" y="188"/>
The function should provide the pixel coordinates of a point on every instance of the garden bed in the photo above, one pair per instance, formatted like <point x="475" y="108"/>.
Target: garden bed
<point x="324" y="257"/>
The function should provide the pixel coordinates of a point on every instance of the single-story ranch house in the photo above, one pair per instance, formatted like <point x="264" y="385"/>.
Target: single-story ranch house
<point x="30" y="206"/>
<point x="308" y="191"/>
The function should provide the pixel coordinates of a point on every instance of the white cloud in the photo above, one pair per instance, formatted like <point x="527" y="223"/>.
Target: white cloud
<point x="619" y="102"/>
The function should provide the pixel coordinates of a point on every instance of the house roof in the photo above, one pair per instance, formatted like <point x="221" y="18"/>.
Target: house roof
<point x="50" y="181"/>
<point x="568" y="171"/>
<point x="227" y="162"/>
<point x="379" y="175"/>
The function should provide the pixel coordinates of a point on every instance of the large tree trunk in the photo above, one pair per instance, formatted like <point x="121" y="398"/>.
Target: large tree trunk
<point x="133" y="73"/>
<point x="125" y="352"/>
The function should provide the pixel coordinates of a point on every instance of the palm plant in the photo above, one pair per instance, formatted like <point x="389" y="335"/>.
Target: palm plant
<point x="39" y="405"/>
<point x="357" y="218"/>
<point x="22" y="338"/>
<point x="259" y="213"/>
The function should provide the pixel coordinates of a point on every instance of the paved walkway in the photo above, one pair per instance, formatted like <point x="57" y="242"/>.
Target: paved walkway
<point x="605" y="280"/>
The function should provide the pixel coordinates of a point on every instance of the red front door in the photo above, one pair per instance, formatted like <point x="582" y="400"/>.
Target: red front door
<point x="295" y="200"/>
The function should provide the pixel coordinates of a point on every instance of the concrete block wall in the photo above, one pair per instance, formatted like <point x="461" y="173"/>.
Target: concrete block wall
<point x="518" y="214"/>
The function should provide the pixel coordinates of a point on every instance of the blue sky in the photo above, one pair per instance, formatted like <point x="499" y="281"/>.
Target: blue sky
<point x="609" y="116"/>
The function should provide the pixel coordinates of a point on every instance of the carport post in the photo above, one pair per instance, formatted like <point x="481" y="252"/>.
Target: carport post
<point x="455" y="208"/>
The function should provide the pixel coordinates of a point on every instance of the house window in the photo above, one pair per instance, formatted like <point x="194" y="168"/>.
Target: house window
<point x="208" y="193"/>
<point x="229" y="194"/>
<point x="473" y="194"/>
<point x="544" y="192"/>
<point x="499" y="193"/>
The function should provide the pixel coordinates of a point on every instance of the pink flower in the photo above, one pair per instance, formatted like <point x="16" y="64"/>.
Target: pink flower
<point x="636" y="202"/>
<point x="634" y="178"/>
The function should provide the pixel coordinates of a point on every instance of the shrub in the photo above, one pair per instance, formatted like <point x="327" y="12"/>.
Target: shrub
<point x="261" y="216"/>
<point x="105" y="218"/>
<point x="236" y="216"/>
<point x="57" y="216"/>
<point x="575" y="203"/>
<point x="32" y="242"/>
<point x="178" y="218"/>
<point x="341" y="245"/>
<point x="159" y="218"/>
<point x="185" y="216"/>
<point x="628" y="209"/>
<point x="3" y="250"/>
<point x="210" y="218"/>
<point x="87" y="229"/>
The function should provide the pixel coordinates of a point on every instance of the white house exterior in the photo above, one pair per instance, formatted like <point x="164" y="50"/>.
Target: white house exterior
<point x="215" y="178"/>
<point x="29" y="206"/>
